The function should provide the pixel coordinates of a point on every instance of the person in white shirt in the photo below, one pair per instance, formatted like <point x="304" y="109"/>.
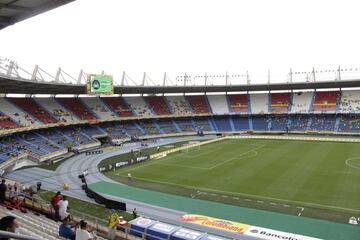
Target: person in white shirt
<point x="63" y="205"/>
<point x="82" y="233"/>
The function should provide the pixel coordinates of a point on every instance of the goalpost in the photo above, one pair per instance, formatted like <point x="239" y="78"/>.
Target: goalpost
<point x="191" y="146"/>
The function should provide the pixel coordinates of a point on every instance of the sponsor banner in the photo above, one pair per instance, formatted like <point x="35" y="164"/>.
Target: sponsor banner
<point x="142" y="158"/>
<point x="187" y="234"/>
<point x="221" y="224"/>
<point x="121" y="164"/>
<point x="163" y="228"/>
<point x="269" y="234"/>
<point x="142" y="222"/>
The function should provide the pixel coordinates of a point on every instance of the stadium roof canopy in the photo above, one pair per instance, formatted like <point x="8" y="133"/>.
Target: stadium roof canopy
<point x="13" y="11"/>
<point x="12" y="85"/>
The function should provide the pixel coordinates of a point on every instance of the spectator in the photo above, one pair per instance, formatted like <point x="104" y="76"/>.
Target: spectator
<point x="113" y="221"/>
<point x="8" y="224"/>
<point x="83" y="234"/>
<point x="54" y="203"/>
<point x="135" y="214"/>
<point x="63" y="205"/>
<point x="65" y="229"/>
<point x="3" y="189"/>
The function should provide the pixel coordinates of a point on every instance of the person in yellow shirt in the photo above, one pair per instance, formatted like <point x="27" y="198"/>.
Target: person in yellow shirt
<point x="113" y="221"/>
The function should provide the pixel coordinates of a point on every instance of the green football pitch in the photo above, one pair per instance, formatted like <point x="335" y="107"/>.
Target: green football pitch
<point x="316" y="179"/>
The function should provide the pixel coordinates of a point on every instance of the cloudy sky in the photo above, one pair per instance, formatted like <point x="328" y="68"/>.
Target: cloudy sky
<point x="193" y="36"/>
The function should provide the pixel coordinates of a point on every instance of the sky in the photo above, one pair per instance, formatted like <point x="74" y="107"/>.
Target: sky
<point x="192" y="36"/>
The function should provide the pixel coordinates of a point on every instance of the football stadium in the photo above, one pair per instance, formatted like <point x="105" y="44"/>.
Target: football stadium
<point x="203" y="157"/>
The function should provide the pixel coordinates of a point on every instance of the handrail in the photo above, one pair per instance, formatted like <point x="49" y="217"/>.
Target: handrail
<point x="5" y="234"/>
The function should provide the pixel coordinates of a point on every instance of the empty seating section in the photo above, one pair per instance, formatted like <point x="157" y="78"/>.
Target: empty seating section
<point x="115" y="130"/>
<point x="158" y="105"/>
<point x="6" y="122"/>
<point x="198" y="104"/>
<point x="9" y="148"/>
<point x="38" y="144"/>
<point x="203" y="124"/>
<point x="179" y="105"/>
<point x="56" y="109"/>
<point x="167" y="126"/>
<point x="349" y="123"/>
<point x="118" y="106"/>
<point x="260" y="123"/>
<point x="301" y="102"/>
<point x="299" y="123"/>
<point x="280" y="102"/>
<point x="149" y="127"/>
<point x="325" y="102"/>
<point x="350" y="102"/>
<point x="185" y="125"/>
<point x="238" y="103"/>
<point x="218" y="104"/>
<point x="78" y="108"/>
<point x="54" y="136"/>
<point x="92" y="130"/>
<point x="138" y="106"/>
<point x="259" y="103"/>
<point x="132" y="129"/>
<point x="30" y="106"/>
<point x="95" y="105"/>
<point x="279" y="123"/>
<point x="322" y="123"/>
<point x="222" y="124"/>
<point x="20" y="117"/>
<point x="75" y="137"/>
<point x="240" y="123"/>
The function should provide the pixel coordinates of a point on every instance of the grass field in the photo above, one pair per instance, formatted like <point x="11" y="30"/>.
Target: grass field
<point x="316" y="179"/>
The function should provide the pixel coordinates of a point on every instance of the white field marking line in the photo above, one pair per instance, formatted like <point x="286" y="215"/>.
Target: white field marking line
<point x="349" y="164"/>
<point x="204" y="168"/>
<point x="253" y="196"/>
<point x="203" y="152"/>
<point x="237" y="157"/>
<point x="181" y="166"/>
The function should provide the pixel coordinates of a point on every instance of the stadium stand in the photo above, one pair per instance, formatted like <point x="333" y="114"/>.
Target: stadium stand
<point x="223" y="124"/>
<point x="98" y="107"/>
<point x="260" y="123"/>
<point x="299" y="123"/>
<point x="280" y="102"/>
<point x="301" y="102"/>
<point x="325" y="102"/>
<point x="178" y="105"/>
<point x="350" y="102"/>
<point x="138" y="106"/>
<point x="78" y="108"/>
<point x="118" y="106"/>
<point x="259" y="103"/>
<point x="238" y="103"/>
<point x="279" y="122"/>
<point x="6" y="122"/>
<point x="167" y="126"/>
<point x="185" y="125"/>
<point x="56" y="109"/>
<point x="31" y="107"/>
<point x="20" y="117"/>
<point x="158" y="105"/>
<point x="322" y="122"/>
<point x="218" y="104"/>
<point x="241" y="123"/>
<point x="198" y="104"/>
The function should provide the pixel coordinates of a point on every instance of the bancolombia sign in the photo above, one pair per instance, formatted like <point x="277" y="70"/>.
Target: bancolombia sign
<point x="221" y="224"/>
<point x="269" y="234"/>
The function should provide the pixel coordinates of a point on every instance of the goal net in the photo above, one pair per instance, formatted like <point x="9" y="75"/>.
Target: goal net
<point x="189" y="147"/>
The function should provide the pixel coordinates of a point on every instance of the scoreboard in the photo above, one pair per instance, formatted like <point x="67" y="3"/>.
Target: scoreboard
<point x="99" y="85"/>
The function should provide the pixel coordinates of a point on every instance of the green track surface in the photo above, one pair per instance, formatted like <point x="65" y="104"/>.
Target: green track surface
<point x="306" y="226"/>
